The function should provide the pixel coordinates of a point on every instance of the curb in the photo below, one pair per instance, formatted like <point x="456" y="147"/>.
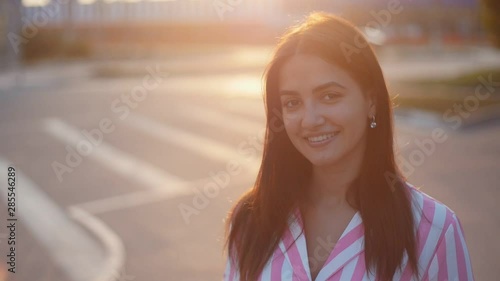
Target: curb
<point x="427" y="119"/>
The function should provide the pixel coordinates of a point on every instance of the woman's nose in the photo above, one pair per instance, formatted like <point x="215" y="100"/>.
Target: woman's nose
<point x="312" y="117"/>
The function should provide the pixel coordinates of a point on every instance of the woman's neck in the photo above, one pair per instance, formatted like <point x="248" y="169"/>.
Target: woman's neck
<point x="327" y="195"/>
<point x="328" y="185"/>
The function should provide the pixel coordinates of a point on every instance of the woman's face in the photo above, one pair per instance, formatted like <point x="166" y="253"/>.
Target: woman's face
<point x="324" y="111"/>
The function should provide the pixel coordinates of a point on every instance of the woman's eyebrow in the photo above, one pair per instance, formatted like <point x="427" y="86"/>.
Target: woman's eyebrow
<point x="316" y="89"/>
<point x="328" y="85"/>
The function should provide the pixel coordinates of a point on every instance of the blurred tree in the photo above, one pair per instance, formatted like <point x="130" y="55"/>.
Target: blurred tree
<point x="490" y="11"/>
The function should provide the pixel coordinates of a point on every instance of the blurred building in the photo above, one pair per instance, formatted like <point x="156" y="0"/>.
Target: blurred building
<point x="176" y="11"/>
<point x="451" y="14"/>
<point x="419" y="21"/>
<point x="422" y="21"/>
<point x="10" y="27"/>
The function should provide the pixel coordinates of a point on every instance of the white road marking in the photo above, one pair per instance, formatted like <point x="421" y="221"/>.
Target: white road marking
<point x="113" y="245"/>
<point x="71" y="248"/>
<point x="226" y="121"/>
<point x="204" y="146"/>
<point x="141" y="198"/>
<point x="161" y="185"/>
<point x="129" y="167"/>
<point x="128" y="200"/>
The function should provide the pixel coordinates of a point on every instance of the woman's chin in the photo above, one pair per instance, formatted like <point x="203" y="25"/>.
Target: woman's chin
<point x="322" y="162"/>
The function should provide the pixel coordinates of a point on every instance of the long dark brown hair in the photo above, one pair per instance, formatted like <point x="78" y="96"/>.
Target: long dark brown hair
<point x="258" y="220"/>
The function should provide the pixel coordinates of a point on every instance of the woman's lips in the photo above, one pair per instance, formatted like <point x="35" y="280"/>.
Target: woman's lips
<point x="325" y="139"/>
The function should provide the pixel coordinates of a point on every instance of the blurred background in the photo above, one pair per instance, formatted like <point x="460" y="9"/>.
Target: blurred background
<point x="133" y="126"/>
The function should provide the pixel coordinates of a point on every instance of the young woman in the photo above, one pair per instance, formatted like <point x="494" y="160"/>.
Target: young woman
<point x="329" y="202"/>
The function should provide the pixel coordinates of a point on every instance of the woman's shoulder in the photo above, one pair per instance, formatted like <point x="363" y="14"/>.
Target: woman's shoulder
<point x="430" y="214"/>
<point x="441" y="239"/>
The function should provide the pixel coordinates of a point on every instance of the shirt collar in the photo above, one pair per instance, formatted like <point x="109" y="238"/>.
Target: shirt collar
<point x="349" y="246"/>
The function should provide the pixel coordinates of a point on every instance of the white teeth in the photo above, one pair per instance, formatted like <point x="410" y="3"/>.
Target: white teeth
<point x="321" y="138"/>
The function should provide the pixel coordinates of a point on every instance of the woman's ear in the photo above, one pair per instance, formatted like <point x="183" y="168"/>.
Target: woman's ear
<point x="372" y="106"/>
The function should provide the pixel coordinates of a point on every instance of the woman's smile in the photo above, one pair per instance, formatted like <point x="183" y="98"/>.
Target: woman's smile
<point x="320" y="141"/>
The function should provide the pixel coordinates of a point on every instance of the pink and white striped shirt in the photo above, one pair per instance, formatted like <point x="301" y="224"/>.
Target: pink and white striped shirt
<point x="443" y="255"/>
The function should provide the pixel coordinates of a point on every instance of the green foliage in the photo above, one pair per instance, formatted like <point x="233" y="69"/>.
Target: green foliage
<point x="490" y="11"/>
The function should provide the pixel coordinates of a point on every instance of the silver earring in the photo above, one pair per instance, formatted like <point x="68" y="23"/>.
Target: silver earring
<point x="373" y="124"/>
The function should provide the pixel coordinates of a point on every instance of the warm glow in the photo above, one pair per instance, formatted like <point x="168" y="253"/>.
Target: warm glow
<point x="86" y="2"/>
<point x="34" y="3"/>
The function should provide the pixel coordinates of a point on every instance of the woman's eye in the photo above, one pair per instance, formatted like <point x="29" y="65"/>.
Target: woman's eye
<point x="330" y="96"/>
<point x="290" y="103"/>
